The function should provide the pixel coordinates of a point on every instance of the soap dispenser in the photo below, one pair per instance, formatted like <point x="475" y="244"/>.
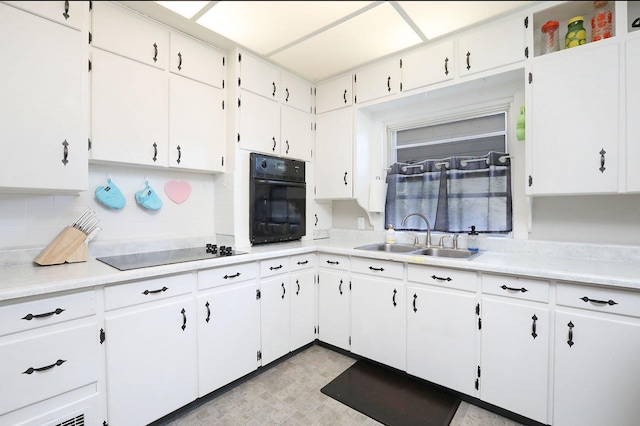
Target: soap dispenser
<point x="472" y="240"/>
<point x="391" y="235"/>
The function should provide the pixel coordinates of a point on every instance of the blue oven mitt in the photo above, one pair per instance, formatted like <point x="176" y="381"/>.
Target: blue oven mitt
<point x="148" y="198"/>
<point x="110" y="196"/>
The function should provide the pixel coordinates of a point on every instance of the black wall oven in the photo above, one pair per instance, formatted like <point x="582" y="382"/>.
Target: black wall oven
<point x="277" y="197"/>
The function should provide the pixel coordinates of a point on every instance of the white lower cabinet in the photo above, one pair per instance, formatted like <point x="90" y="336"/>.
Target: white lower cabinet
<point x="515" y="345"/>
<point x="151" y="367"/>
<point x="228" y="325"/>
<point x="334" y="297"/>
<point x="303" y="300"/>
<point x="378" y="314"/>
<point x="275" y="317"/>
<point x="442" y="327"/>
<point x="596" y="365"/>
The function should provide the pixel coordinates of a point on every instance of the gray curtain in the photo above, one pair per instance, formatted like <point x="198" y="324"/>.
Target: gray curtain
<point x="453" y="193"/>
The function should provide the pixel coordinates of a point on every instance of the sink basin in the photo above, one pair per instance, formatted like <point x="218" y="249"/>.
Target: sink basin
<point x="390" y="248"/>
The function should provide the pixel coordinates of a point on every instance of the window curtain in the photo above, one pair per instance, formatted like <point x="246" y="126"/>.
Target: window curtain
<point x="453" y="193"/>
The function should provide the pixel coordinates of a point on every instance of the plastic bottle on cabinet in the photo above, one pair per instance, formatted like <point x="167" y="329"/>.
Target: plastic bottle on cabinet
<point x="576" y="34"/>
<point x="391" y="235"/>
<point x="472" y="240"/>
<point x="602" y="21"/>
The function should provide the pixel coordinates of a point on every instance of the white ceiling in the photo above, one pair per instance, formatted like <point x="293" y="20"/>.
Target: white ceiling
<point x="320" y="39"/>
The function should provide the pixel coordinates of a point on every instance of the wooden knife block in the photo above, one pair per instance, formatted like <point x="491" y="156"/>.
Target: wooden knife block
<point x="68" y="246"/>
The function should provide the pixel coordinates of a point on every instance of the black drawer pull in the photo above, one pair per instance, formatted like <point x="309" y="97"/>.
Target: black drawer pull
<point x="533" y="326"/>
<point x="284" y="291"/>
<point x="236" y="275"/>
<point x="147" y="292"/>
<point x="271" y="268"/>
<point x="415" y="297"/>
<point x="340" y="287"/>
<point x="435" y="277"/>
<point x="304" y="262"/>
<point x="393" y="299"/>
<point x="376" y="269"/>
<point x="208" y="312"/>
<point x="570" y="341"/>
<point x="599" y="302"/>
<point x="29" y="317"/>
<point x="521" y="289"/>
<point x="330" y="262"/>
<point x="184" y="319"/>
<point x="298" y="284"/>
<point x="32" y="370"/>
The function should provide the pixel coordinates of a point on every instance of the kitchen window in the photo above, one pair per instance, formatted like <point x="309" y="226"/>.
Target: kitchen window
<point x="456" y="173"/>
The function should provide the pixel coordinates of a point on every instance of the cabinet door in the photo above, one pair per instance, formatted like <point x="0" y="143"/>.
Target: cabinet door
<point x="196" y="125"/>
<point x="150" y="360"/>
<point x="117" y="30"/>
<point x="441" y="337"/>
<point x="498" y="44"/>
<point x="378" y="321"/>
<point x="303" y="308"/>
<point x="128" y="111"/>
<point x="295" y="93"/>
<point x="633" y="112"/>
<point x="424" y="67"/>
<point x="193" y="59"/>
<point x="574" y="121"/>
<point x="42" y="98"/>
<point x="596" y="370"/>
<point x="228" y="335"/>
<point x="515" y="357"/>
<point x="334" y="154"/>
<point x="275" y="316"/>
<point x="377" y="81"/>
<point x="296" y="134"/>
<point x="259" y="123"/>
<point x="334" y="94"/>
<point x="333" y="308"/>
<point x="259" y="77"/>
<point x="67" y="13"/>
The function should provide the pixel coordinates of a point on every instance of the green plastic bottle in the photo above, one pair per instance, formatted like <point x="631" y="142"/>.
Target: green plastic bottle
<point x="576" y="34"/>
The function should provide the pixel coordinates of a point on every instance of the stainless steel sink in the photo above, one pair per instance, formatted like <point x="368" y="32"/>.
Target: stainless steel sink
<point x="391" y="248"/>
<point x="426" y="251"/>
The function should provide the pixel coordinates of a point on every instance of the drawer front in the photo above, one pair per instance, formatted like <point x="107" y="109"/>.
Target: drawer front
<point x="444" y="277"/>
<point x="302" y="261"/>
<point x="133" y="293"/>
<point x="51" y="310"/>
<point x="381" y="268"/>
<point x="333" y="261"/>
<point x="224" y="275"/>
<point x="275" y="266"/>
<point x="516" y="287"/>
<point x="43" y="366"/>
<point x="610" y="300"/>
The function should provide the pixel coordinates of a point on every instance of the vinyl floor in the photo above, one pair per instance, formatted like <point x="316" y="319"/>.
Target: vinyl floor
<point x="289" y="394"/>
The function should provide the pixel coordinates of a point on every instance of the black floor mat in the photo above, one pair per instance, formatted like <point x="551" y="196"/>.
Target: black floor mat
<point x="390" y="397"/>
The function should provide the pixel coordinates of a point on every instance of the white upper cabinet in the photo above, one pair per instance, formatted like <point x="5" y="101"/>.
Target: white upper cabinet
<point x="120" y="31"/>
<point x="427" y="66"/>
<point x="295" y="92"/>
<point x="296" y="136"/>
<point x="258" y="123"/>
<point x="258" y="76"/>
<point x="494" y="45"/>
<point x="633" y="112"/>
<point x="193" y="59"/>
<point x="377" y="81"/>
<point x="69" y="13"/>
<point x="43" y="140"/>
<point x="334" y="155"/>
<point x="334" y="94"/>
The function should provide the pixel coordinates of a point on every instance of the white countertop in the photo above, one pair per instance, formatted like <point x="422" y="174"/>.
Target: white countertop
<point x="31" y="280"/>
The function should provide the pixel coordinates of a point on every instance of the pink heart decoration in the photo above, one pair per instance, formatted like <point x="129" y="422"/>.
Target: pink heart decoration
<point x="178" y="192"/>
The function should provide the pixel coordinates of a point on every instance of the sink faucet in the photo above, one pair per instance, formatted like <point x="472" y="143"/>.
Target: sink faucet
<point x="404" y="219"/>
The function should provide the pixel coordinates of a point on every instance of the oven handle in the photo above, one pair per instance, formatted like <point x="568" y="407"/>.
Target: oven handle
<point x="280" y="183"/>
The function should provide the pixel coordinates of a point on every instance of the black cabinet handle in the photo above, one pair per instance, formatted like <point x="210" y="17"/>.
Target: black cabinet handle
<point x="570" y="341"/>
<point x="274" y="144"/>
<point x="340" y="287"/>
<point x="236" y="275"/>
<point x="345" y="178"/>
<point x="521" y="289"/>
<point x="208" y="312"/>
<point x="602" y="160"/>
<point x="599" y="302"/>
<point x="331" y="262"/>
<point x="393" y="298"/>
<point x="273" y="268"/>
<point x="376" y="269"/>
<point x="32" y="370"/>
<point x="435" y="277"/>
<point x="446" y="66"/>
<point x="66" y="10"/>
<point x="298" y="284"/>
<point x="184" y="319"/>
<point x="468" y="64"/>
<point x="389" y="84"/>
<point x="179" y="154"/>
<point x="287" y="142"/>
<point x="345" y="96"/>
<point x="29" y="317"/>
<point x="304" y="262"/>
<point x="179" y="61"/>
<point x="160" y="290"/>
<point x="415" y="297"/>
<point x="155" y="152"/>
<point x="533" y="326"/>
<point x="274" y="89"/>
<point x="155" y="52"/>
<point x="284" y="291"/>
<point x="316" y="224"/>
<point x="287" y="98"/>
<point x="65" y="152"/>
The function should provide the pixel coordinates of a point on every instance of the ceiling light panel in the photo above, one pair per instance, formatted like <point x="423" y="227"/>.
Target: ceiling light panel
<point x="188" y="9"/>
<point x="437" y="18"/>
<point x="266" y="26"/>
<point x="375" y="33"/>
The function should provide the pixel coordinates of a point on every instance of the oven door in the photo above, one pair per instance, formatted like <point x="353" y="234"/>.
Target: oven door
<point x="277" y="211"/>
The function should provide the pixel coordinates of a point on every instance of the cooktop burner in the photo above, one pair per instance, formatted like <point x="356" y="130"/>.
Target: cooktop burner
<point x="126" y="262"/>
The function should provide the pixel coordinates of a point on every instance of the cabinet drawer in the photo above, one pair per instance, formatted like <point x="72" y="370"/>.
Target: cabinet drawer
<point x="275" y="266"/>
<point x="516" y="287"/>
<point x="224" y="275"/>
<point x="450" y="278"/>
<point x="302" y="261"/>
<point x="46" y="365"/>
<point x="381" y="268"/>
<point x="52" y="310"/>
<point x="133" y="293"/>
<point x="333" y="261"/>
<point x="611" y="300"/>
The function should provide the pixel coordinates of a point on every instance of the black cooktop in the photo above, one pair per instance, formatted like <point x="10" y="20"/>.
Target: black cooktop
<point x="126" y="262"/>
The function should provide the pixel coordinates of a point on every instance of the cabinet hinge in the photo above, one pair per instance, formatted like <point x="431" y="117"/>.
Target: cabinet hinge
<point x="258" y="294"/>
<point x="400" y="63"/>
<point x="479" y="323"/>
<point x="239" y="103"/>
<point x="90" y="37"/>
<point x="90" y="5"/>
<point x="526" y="22"/>
<point x="238" y="81"/>
<point x="479" y="375"/>
<point x="530" y="180"/>
<point x="314" y="190"/>
<point x="89" y="65"/>
<point x="102" y="336"/>
<point x="238" y="137"/>
<point x="355" y="78"/>
<point x="349" y="340"/>
<point x="223" y="83"/>
<point x="224" y="62"/>
<point x="89" y="144"/>
<point x="104" y="423"/>
<point x="259" y="355"/>
<point x="401" y="86"/>
<point x="239" y="57"/>
<point x="530" y="78"/>
<point x="222" y="162"/>
<point x="526" y="52"/>
<point x="478" y="309"/>
<point x="315" y="330"/>
<point x="355" y="99"/>
<point x="349" y="285"/>
<point x="223" y="105"/>
<point x="477" y="384"/>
